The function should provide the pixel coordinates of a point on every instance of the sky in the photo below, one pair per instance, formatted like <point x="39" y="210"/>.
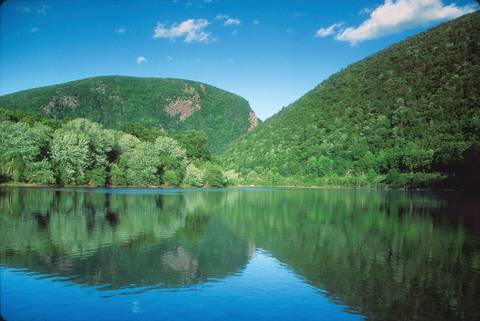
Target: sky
<point x="269" y="52"/>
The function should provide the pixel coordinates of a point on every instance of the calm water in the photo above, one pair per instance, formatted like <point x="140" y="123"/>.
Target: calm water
<point x="238" y="254"/>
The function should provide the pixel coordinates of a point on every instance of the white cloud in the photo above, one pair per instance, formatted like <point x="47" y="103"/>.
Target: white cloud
<point x="120" y="30"/>
<point x="191" y="30"/>
<point x="141" y="60"/>
<point x="228" y="21"/>
<point x="221" y="17"/>
<point x="395" y="16"/>
<point x="365" y="10"/>
<point x="328" y="31"/>
<point x="34" y="29"/>
<point x="232" y="22"/>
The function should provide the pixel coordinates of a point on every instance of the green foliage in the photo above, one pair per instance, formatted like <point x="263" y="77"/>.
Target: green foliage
<point x="232" y="178"/>
<point x="409" y="109"/>
<point x="141" y="165"/>
<point x="39" y="173"/>
<point x="138" y="106"/>
<point x="142" y="133"/>
<point x="96" y="177"/>
<point x="193" y="176"/>
<point x="21" y="146"/>
<point x="195" y="143"/>
<point x="118" y="176"/>
<point x="214" y="176"/>
<point x="171" y="177"/>
<point x="82" y="152"/>
<point x="70" y="154"/>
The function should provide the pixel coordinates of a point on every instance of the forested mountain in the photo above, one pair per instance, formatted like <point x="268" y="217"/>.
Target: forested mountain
<point x="408" y="115"/>
<point x="119" y="102"/>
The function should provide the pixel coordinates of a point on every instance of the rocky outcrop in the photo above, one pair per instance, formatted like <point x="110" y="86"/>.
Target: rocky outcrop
<point x="184" y="107"/>
<point x="253" y="120"/>
<point x="58" y="103"/>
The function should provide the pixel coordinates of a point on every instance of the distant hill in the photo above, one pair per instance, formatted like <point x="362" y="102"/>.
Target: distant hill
<point x="413" y="108"/>
<point x="172" y="104"/>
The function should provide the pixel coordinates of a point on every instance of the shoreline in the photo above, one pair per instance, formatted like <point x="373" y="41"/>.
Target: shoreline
<point x="33" y="185"/>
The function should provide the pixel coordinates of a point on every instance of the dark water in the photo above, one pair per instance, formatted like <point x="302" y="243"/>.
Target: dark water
<point x="261" y="254"/>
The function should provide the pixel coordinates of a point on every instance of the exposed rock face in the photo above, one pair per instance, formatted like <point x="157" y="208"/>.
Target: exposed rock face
<point x="100" y="88"/>
<point x="184" y="107"/>
<point x="58" y="103"/>
<point x="253" y="120"/>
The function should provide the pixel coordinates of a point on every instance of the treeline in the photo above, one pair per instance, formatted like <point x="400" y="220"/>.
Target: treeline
<point x="82" y="152"/>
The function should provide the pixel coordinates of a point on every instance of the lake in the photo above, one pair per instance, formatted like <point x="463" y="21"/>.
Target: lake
<point x="238" y="254"/>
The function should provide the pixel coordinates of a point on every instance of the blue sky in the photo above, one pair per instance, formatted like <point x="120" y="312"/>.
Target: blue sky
<point x="270" y="52"/>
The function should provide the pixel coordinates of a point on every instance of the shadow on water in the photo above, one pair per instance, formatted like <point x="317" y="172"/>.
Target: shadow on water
<point x="387" y="255"/>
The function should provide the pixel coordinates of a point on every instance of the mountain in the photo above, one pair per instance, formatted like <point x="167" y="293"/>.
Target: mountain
<point x="398" y="116"/>
<point x="114" y="101"/>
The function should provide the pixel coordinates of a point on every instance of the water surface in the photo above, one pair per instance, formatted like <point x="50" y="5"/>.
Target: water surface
<point x="238" y="254"/>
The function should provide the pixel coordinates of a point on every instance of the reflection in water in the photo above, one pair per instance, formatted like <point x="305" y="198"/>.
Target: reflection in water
<point x="384" y="255"/>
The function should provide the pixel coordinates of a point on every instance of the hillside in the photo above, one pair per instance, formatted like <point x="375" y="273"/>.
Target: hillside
<point x="114" y="101"/>
<point x="395" y="117"/>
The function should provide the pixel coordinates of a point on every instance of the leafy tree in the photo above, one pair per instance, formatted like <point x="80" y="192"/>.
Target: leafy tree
<point x="193" y="176"/>
<point x="232" y="178"/>
<point x="141" y="165"/>
<point x="21" y="146"/>
<point x="195" y="143"/>
<point x="40" y="172"/>
<point x="171" y="177"/>
<point x="142" y="133"/>
<point x="70" y="155"/>
<point x="214" y="176"/>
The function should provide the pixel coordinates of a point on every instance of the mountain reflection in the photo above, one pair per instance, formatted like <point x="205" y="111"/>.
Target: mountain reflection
<point x="387" y="255"/>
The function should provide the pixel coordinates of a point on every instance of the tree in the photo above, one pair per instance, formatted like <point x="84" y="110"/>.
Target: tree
<point x="141" y="165"/>
<point x="232" y="178"/>
<point x="214" y="176"/>
<point x="145" y="134"/>
<point x="21" y="147"/>
<point x="195" y="143"/>
<point x="193" y="176"/>
<point x="70" y="155"/>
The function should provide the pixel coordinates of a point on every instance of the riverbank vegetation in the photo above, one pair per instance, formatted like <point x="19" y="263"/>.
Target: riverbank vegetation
<point x="82" y="152"/>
